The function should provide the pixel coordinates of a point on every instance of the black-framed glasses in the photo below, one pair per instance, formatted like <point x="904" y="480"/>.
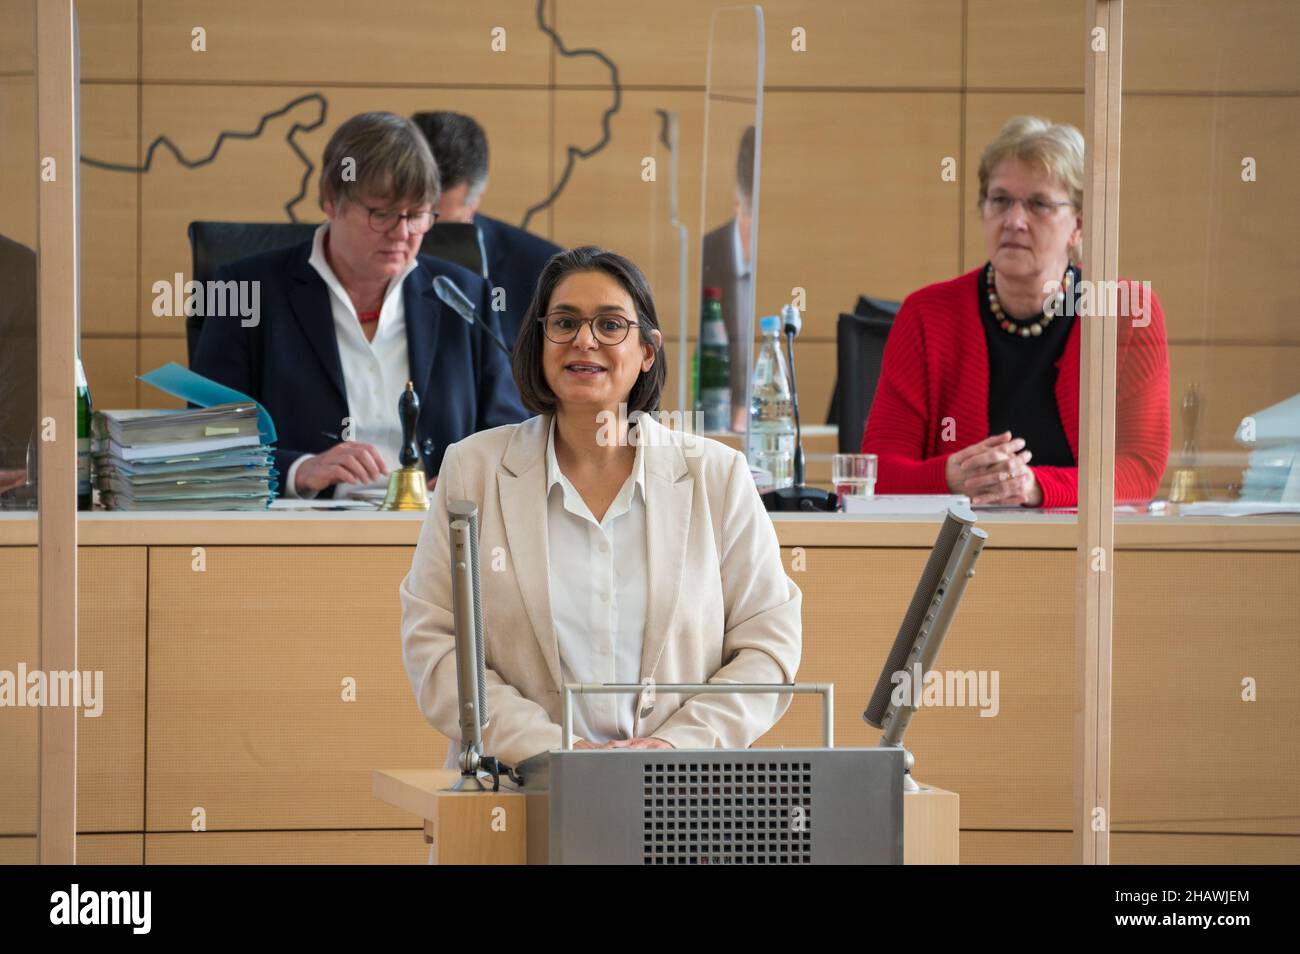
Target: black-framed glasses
<point x="384" y="220"/>
<point x="562" y="328"/>
<point x="1039" y="208"/>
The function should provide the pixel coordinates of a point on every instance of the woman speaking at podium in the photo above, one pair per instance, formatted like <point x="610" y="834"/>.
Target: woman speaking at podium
<point x="613" y="549"/>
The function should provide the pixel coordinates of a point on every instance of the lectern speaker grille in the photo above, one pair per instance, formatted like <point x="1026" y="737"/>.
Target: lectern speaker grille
<point x="728" y="813"/>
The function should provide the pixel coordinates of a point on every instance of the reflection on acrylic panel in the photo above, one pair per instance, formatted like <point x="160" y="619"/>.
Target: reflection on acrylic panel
<point x="19" y="565"/>
<point x="729" y="216"/>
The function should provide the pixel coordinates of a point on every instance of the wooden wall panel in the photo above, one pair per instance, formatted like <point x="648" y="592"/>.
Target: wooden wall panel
<point x="110" y="766"/>
<point x="111" y="368"/>
<point x="607" y="202"/>
<point x="1188" y="753"/>
<point x="125" y="849"/>
<point x="19" y="642"/>
<point x="1008" y="775"/>
<point x="854" y="201"/>
<point x="1151" y="849"/>
<point x="154" y="352"/>
<point x="1218" y="251"/>
<point x="814" y="369"/>
<point x="252" y="180"/>
<point x="1015" y="847"/>
<point x="18" y="42"/>
<point x="246" y="715"/>
<point x="1234" y="382"/>
<point x="18" y="850"/>
<point x="109" y="206"/>
<point x="891" y="43"/>
<point x="111" y="638"/>
<point x="1170" y="45"/>
<point x="320" y="41"/>
<point x="109" y="31"/>
<point x="1248" y="45"/>
<point x="397" y="847"/>
<point x="1025" y="44"/>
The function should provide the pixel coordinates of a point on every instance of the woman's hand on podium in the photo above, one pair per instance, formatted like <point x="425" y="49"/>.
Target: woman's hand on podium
<point x="645" y="743"/>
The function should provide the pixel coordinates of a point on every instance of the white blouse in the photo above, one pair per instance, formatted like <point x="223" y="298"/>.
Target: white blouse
<point x="598" y="583"/>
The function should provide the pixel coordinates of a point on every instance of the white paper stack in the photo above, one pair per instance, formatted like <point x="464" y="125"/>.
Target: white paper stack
<point x="907" y="505"/>
<point x="1272" y="472"/>
<point x="212" y="458"/>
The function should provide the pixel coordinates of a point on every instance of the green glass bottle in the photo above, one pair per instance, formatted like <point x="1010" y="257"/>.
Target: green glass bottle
<point x="695" y="381"/>
<point x="84" y="496"/>
<point x="714" y="357"/>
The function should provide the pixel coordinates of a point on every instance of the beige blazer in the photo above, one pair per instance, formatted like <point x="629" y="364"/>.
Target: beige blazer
<point x="720" y="606"/>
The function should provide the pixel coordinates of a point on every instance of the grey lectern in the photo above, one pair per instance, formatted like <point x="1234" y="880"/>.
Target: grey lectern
<point x="714" y="806"/>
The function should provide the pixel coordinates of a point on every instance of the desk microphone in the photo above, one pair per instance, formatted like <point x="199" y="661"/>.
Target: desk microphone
<point x="455" y="299"/>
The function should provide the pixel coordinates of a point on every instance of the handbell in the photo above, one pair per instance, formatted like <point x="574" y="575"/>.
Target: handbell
<point x="408" y="488"/>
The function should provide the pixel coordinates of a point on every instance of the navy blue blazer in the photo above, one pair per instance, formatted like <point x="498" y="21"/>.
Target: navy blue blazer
<point x="515" y="260"/>
<point x="290" y="361"/>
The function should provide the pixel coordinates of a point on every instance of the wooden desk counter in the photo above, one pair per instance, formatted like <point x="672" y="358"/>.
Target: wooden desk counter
<point x="265" y="673"/>
<point x="1028" y="530"/>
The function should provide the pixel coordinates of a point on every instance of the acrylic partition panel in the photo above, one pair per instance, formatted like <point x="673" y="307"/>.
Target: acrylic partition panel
<point x="19" y="567"/>
<point x="729" y="201"/>
<point x="667" y="262"/>
<point x="1206" y="707"/>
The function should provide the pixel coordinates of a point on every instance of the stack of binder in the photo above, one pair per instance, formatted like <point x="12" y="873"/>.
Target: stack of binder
<point x="212" y="458"/>
<point x="1272" y="473"/>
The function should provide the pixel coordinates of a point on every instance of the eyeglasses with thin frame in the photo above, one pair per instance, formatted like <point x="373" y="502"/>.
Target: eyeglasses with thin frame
<point x="417" y="223"/>
<point x="562" y="327"/>
<point x="1000" y="204"/>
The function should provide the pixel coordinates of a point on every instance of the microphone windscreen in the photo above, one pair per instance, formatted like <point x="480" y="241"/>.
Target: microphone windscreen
<point x="455" y="299"/>
<point x="791" y="322"/>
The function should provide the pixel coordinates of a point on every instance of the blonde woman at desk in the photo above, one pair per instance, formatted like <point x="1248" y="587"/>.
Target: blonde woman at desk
<point x="611" y="554"/>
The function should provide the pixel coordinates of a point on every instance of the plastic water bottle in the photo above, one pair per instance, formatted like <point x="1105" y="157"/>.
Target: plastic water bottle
<point x="771" y="415"/>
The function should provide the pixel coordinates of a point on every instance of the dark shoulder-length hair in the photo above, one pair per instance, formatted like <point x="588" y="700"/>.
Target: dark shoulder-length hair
<point x="530" y="377"/>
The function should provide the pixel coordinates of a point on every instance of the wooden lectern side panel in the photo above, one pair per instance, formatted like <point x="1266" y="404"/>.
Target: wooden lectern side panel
<point x="481" y="828"/>
<point x="931" y="827"/>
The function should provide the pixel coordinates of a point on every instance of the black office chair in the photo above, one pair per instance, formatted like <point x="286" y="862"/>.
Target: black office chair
<point x="859" y="354"/>
<point x="456" y="242"/>
<point x="214" y="244"/>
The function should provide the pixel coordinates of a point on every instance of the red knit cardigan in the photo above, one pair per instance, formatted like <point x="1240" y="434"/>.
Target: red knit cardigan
<point x="932" y="399"/>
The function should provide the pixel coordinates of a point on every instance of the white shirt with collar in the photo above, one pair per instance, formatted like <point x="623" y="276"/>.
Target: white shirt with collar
<point x="598" y="586"/>
<point x="374" y="372"/>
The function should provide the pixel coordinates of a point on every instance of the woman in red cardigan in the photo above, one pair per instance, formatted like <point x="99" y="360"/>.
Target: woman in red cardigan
<point x="981" y="373"/>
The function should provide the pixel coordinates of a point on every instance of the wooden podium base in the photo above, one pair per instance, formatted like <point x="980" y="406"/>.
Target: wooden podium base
<point x="931" y="827"/>
<point x="491" y="828"/>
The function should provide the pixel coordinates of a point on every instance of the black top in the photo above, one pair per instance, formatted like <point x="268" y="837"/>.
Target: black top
<point x="1022" y="379"/>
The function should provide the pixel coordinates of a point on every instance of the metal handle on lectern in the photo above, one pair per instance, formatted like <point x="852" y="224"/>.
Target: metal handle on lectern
<point x="824" y="689"/>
